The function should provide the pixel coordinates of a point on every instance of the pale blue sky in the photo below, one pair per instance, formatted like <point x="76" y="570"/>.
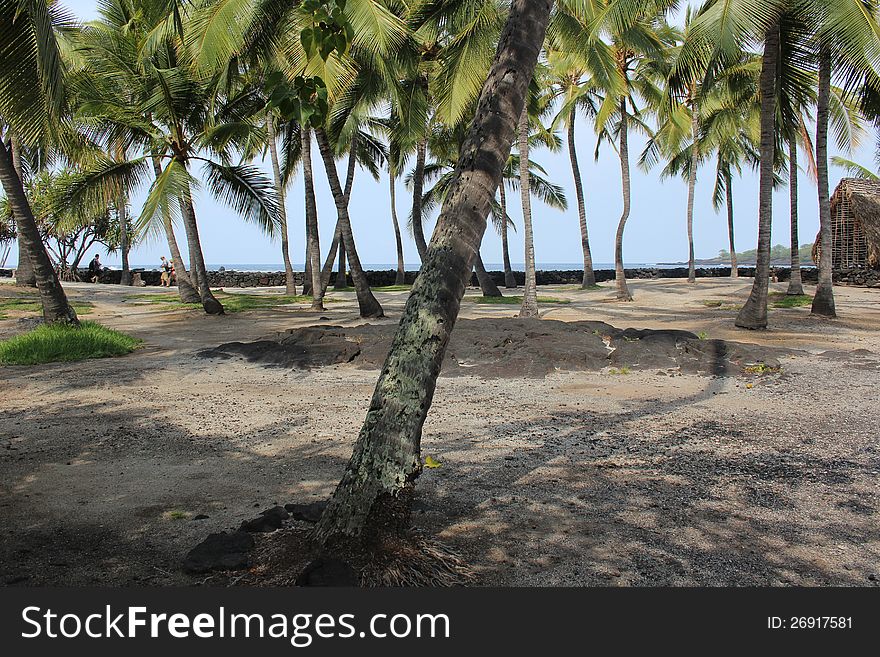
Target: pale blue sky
<point x="655" y="231"/>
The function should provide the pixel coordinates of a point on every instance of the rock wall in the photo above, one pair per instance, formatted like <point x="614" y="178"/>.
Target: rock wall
<point x="856" y="277"/>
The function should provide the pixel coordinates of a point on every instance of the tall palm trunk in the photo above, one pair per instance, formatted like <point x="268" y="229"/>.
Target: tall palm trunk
<point x="509" y="278"/>
<point x="753" y="314"/>
<point x="327" y="269"/>
<point x="589" y="279"/>
<point x="341" y="281"/>
<point x="124" y="242"/>
<point x="734" y="271"/>
<point x="692" y="186"/>
<point x="375" y="493"/>
<point x="369" y="306"/>
<point x="54" y="301"/>
<point x="418" y="186"/>
<point x="795" y="283"/>
<point x="122" y="216"/>
<point x="185" y="288"/>
<point x="311" y="210"/>
<point x="289" y="279"/>
<point x="24" y="272"/>
<point x="619" y="272"/>
<point x="823" y="302"/>
<point x="487" y="285"/>
<point x="529" y="306"/>
<point x="400" y="277"/>
<point x="196" y="258"/>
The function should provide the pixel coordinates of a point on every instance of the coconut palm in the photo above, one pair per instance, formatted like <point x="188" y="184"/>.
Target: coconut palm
<point x="31" y="103"/>
<point x="376" y="490"/>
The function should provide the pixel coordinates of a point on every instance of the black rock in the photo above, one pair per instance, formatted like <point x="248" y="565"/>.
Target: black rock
<point x="310" y="512"/>
<point x="327" y="572"/>
<point x="220" y="552"/>
<point x="268" y="521"/>
<point x="201" y="516"/>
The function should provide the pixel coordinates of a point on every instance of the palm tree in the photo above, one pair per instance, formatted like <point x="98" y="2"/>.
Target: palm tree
<point x="271" y="138"/>
<point x="529" y="307"/>
<point x="31" y="100"/>
<point x="636" y="53"/>
<point x="375" y="492"/>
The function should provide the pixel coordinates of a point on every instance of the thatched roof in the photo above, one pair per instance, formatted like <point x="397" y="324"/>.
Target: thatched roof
<point x="864" y="203"/>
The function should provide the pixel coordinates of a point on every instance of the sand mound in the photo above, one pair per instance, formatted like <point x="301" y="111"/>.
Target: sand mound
<point x="506" y="348"/>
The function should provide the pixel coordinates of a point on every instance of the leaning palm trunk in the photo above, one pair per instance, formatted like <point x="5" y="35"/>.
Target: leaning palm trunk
<point x="734" y="271"/>
<point x="823" y="302"/>
<point x="327" y="269"/>
<point x="692" y="185"/>
<point x="311" y="210"/>
<point x="400" y="277"/>
<point x="341" y="281"/>
<point x="54" y="301"/>
<point x="418" y="186"/>
<point x="619" y="272"/>
<point x="196" y="259"/>
<point x="375" y="493"/>
<point x="509" y="278"/>
<point x="589" y="279"/>
<point x="795" y="283"/>
<point x="529" y="306"/>
<point x="487" y="285"/>
<point x="185" y="287"/>
<point x="369" y="306"/>
<point x="753" y="314"/>
<point x="24" y="273"/>
<point x="289" y="279"/>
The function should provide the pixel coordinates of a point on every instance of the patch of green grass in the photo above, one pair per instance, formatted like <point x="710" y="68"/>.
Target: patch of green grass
<point x="761" y="368"/>
<point x="393" y="288"/>
<point x="31" y="304"/>
<point x="513" y="301"/>
<point x="177" y="514"/>
<point x="51" y="343"/>
<point x="619" y="372"/>
<point x="790" y="301"/>
<point x="232" y="303"/>
<point x="702" y="335"/>
<point x="713" y="303"/>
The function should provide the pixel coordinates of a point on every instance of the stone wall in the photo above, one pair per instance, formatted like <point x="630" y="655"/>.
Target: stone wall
<point x="857" y="277"/>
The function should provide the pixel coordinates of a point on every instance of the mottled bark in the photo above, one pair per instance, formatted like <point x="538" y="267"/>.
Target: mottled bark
<point x="341" y="281"/>
<point x="316" y="289"/>
<point x="823" y="302"/>
<point x="197" y="259"/>
<point x="400" y="277"/>
<point x="692" y="187"/>
<point x="734" y="271"/>
<point x="289" y="279"/>
<point x="487" y="285"/>
<point x="24" y="272"/>
<point x="529" y="307"/>
<point x="367" y="303"/>
<point x="52" y="296"/>
<point x="185" y="288"/>
<point x="623" y="293"/>
<point x="374" y="495"/>
<point x="753" y="314"/>
<point x="327" y="269"/>
<point x="122" y="217"/>
<point x="795" y="283"/>
<point x="589" y="279"/>
<point x="509" y="278"/>
<point x="418" y="187"/>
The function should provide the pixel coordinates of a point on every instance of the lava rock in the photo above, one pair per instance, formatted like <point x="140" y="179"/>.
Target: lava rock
<point x="220" y="551"/>
<point x="327" y="572"/>
<point x="268" y="521"/>
<point x="201" y="516"/>
<point x="310" y="512"/>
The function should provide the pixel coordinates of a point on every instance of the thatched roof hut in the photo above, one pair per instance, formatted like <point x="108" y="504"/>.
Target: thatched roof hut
<point x="855" y="224"/>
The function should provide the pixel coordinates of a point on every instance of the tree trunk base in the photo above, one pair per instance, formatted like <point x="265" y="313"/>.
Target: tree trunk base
<point x="795" y="289"/>
<point x="212" y="306"/>
<point x="509" y="280"/>
<point x="751" y="318"/>
<point x="823" y="303"/>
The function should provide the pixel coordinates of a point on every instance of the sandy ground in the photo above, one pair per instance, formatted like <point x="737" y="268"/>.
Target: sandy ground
<point x="577" y="478"/>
